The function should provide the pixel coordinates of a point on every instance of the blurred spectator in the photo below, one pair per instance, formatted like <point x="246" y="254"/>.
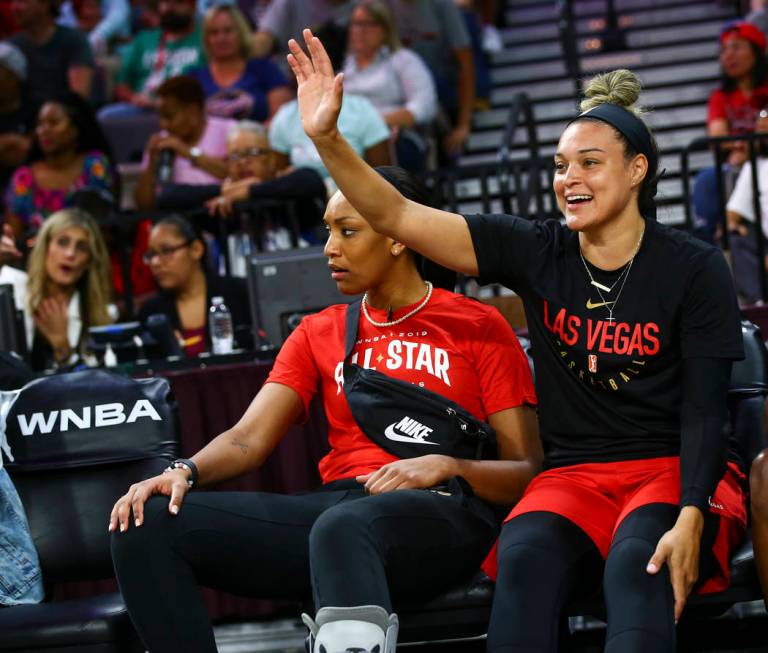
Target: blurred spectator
<point x="436" y="31"/>
<point x="69" y="152"/>
<point x="359" y="122"/>
<point x="285" y="19"/>
<point x="102" y="20"/>
<point x="759" y="17"/>
<point x="144" y="15"/>
<point x="58" y="58"/>
<point x="17" y="120"/>
<point x="66" y="289"/>
<point x="477" y="37"/>
<point x="176" y="256"/>
<point x="393" y="78"/>
<point x="195" y="145"/>
<point x="733" y="110"/>
<point x="8" y="25"/>
<point x="235" y="85"/>
<point x="741" y="222"/>
<point x="156" y="55"/>
<point x="252" y="176"/>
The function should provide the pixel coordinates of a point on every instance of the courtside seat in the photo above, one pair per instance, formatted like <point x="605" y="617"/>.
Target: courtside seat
<point x="79" y="440"/>
<point x="462" y="612"/>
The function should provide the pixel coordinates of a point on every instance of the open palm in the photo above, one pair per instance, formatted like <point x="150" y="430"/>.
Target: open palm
<point x="319" y="92"/>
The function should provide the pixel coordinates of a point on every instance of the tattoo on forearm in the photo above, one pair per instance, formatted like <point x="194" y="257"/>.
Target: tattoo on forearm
<point x="243" y="446"/>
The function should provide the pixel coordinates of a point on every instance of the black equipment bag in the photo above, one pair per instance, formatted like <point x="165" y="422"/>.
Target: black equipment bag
<point x="407" y="420"/>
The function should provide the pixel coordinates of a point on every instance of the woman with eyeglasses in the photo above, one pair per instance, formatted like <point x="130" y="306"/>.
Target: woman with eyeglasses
<point x="253" y="177"/>
<point x="176" y="257"/>
<point x="65" y="290"/>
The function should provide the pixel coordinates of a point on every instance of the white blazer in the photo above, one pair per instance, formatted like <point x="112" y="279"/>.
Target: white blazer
<point x="18" y="280"/>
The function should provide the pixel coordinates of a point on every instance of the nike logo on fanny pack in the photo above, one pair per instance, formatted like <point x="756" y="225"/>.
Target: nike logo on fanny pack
<point x="591" y="304"/>
<point x="408" y="430"/>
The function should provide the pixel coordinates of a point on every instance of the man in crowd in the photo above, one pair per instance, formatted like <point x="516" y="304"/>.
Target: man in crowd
<point x="285" y="19"/>
<point x="156" y="55"/>
<point x="253" y="176"/>
<point x="436" y="31"/>
<point x="58" y="58"/>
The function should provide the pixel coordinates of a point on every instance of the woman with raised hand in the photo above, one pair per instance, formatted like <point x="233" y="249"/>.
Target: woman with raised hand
<point x="634" y="328"/>
<point x="355" y="543"/>
<point x="65" y="290"/>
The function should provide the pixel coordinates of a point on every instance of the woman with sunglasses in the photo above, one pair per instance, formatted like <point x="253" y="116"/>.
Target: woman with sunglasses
<point x="176" y="257"/>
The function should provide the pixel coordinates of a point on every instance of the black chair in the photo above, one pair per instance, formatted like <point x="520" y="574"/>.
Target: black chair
<point x="79" y="440"/>
<point x="463" y="612"/>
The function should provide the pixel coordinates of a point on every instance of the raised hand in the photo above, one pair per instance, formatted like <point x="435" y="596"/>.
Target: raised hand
<point x="319" y="92"/>
<point x="51" y="320"/>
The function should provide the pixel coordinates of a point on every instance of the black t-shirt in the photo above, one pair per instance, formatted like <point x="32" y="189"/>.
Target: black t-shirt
<point x="48" y="65"/>
<point x="607" y="390"/>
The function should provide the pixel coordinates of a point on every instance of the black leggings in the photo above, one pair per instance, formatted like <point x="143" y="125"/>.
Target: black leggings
<point x="337" y="544"/>
<point x="546" y="561"/>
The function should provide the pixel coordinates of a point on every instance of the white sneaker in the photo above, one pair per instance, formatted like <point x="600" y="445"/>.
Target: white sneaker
<point x="492" y="41"/>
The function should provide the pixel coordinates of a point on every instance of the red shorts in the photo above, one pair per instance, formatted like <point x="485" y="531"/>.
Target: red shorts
<point x="597" y="497"/>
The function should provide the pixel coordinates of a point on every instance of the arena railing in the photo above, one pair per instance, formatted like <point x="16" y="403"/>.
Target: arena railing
<point x="716" y="144"/>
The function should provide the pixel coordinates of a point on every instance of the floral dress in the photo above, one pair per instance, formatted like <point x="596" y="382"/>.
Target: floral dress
<point x="32" y="204"/>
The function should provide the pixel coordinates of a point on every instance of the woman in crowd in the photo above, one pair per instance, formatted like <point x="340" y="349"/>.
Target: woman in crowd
<point x="176" y="257"/>
<point x="395" y="79"/>
<point x="66" y="288"/>
<point x="634" y="328"/>
<point x="69" y="153"/>
<point x="366" y="545"/>
<point x="732" y="110"/>
<point x="235" y="85"/>
<point x="195" y="144"/>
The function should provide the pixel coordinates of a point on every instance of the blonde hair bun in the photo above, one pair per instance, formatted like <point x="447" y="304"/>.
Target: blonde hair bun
<point x="620" y="87"/>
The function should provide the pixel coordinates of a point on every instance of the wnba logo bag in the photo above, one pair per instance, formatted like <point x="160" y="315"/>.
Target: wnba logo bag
<point x="406" y="420"/>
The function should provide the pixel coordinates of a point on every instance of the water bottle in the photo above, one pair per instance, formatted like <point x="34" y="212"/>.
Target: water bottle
<point x="222" y="333"/>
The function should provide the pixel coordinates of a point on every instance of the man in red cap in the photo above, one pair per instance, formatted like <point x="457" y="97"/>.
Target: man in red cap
<point x="733" y="110"/>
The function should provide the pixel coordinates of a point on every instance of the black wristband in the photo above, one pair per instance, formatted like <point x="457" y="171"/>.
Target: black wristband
<point x="185" y="463"/>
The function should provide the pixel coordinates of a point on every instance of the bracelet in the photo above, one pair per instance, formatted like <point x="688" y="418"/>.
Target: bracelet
<point x="184" y="463"/>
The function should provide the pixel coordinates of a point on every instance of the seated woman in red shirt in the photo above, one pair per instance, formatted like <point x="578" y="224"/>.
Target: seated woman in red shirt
<point x="355" y="544"/>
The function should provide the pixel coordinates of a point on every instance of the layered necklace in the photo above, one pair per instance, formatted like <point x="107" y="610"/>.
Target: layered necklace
<point x="610" y="305"/>
<point x="390" y="323"/>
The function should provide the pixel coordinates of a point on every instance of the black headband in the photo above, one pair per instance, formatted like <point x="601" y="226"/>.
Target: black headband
<point x="630" y="126"/>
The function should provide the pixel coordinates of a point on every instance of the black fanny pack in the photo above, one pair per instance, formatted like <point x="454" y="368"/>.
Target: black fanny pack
<point x="407" y="420"/>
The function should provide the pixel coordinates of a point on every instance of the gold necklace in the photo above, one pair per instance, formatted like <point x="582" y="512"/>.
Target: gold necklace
<point x="611" y="305"/>
<point x="400" y="319"/>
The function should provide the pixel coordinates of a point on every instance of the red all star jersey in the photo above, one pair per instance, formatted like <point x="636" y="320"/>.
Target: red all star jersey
<point x="455" y="346"/>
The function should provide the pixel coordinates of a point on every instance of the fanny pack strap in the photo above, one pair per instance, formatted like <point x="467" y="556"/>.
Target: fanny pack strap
<point x="352" y="324"/>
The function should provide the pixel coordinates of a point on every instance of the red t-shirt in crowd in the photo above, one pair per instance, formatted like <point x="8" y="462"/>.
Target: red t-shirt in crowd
<point x="455" y="346"/>
<point x="738" y="109"/>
